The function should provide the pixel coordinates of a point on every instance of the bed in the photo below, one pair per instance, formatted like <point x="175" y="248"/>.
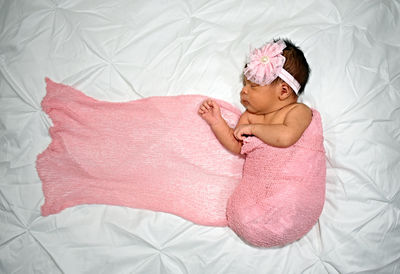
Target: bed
<point x="122" y="50"/>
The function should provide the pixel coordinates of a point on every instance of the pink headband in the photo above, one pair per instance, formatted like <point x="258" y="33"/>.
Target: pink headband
<point x="266" y="64"/>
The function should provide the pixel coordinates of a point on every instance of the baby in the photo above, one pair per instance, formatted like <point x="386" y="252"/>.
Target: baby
<point x="272" y="83"/>
<point x="282" y="191"/>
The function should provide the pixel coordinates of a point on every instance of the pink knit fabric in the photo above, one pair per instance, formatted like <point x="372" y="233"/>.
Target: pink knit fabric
<point x="155" y="153"/>
<point x="159" y="154"/>
<point x="282" y="191"/>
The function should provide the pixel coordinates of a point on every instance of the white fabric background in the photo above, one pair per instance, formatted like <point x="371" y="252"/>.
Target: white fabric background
<point x="124" y="50"/>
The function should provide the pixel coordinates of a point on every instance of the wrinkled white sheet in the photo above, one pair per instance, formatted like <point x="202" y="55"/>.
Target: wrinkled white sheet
<point x="124" y="50"/>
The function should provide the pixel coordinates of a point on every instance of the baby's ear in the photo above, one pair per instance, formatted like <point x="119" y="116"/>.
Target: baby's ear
<point x="285" y="91"/>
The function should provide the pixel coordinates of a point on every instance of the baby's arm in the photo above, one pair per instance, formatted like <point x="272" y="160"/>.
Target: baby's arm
<point x="279" y="135"/>
<point x="211" y="113"/>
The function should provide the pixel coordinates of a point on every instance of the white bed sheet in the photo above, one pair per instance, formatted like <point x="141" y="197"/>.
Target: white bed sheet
<point x="124" y="50"/>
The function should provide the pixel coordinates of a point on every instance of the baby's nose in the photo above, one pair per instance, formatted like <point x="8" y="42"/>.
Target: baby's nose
<point x="244" y="90"/>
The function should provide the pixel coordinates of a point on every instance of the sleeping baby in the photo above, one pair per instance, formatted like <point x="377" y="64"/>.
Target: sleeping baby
<point x="282" y="191"/>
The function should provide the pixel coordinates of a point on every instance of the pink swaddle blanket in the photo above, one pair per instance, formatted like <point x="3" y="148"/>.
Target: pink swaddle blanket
<point x="155" y="153"/>
<point x="282" y="192"/>
<point x="159" y="154"/>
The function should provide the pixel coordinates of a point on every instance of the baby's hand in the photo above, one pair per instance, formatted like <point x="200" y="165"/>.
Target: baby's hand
<point x="210" y="112"/>
<point x="242" y="131"/>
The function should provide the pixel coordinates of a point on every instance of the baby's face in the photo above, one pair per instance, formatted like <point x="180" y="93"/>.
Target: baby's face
<point x="257" y="99"/>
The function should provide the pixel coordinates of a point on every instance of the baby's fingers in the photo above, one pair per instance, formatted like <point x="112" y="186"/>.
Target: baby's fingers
<point x="240" y="133"/>
<point x="202" y="109"/>
<point x="214" y="105"/>
<point x="237" y="134"/>
<point x="208" y="104"/>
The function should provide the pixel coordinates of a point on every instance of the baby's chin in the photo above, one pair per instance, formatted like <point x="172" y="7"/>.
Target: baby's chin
<point x="248" y="107"/>
<point x="252" y="111"/>
<point x="244" y="103"/>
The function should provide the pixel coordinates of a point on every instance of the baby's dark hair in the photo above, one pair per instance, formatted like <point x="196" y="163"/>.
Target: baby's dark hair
<point x="296" y="64"/>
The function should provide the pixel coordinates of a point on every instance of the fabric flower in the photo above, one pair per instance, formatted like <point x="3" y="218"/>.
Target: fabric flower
<point x="265" y="63"/>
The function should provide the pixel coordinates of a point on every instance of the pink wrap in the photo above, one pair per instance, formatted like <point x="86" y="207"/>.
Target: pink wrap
<point x="282" y="192"/>
<point x="159" y="154"/>
<point x="155" y="153"/>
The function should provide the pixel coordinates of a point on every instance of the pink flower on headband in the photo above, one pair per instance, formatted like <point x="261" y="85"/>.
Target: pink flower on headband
<point x="265" y="63"/>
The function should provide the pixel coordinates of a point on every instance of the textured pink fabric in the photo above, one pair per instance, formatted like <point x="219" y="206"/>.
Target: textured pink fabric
<point x="282" y="191"/>
<point x="155" y="153"/>
<point x="159" y="154"/>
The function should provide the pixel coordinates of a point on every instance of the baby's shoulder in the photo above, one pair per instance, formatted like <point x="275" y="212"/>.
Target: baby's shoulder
<point x="300" y="108"/>
<point x="299" y="113"/>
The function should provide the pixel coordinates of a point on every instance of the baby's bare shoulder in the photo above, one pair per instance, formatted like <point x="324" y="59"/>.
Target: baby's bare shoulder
<point x="301" y="108"/>
<point x="299" y="114"/>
